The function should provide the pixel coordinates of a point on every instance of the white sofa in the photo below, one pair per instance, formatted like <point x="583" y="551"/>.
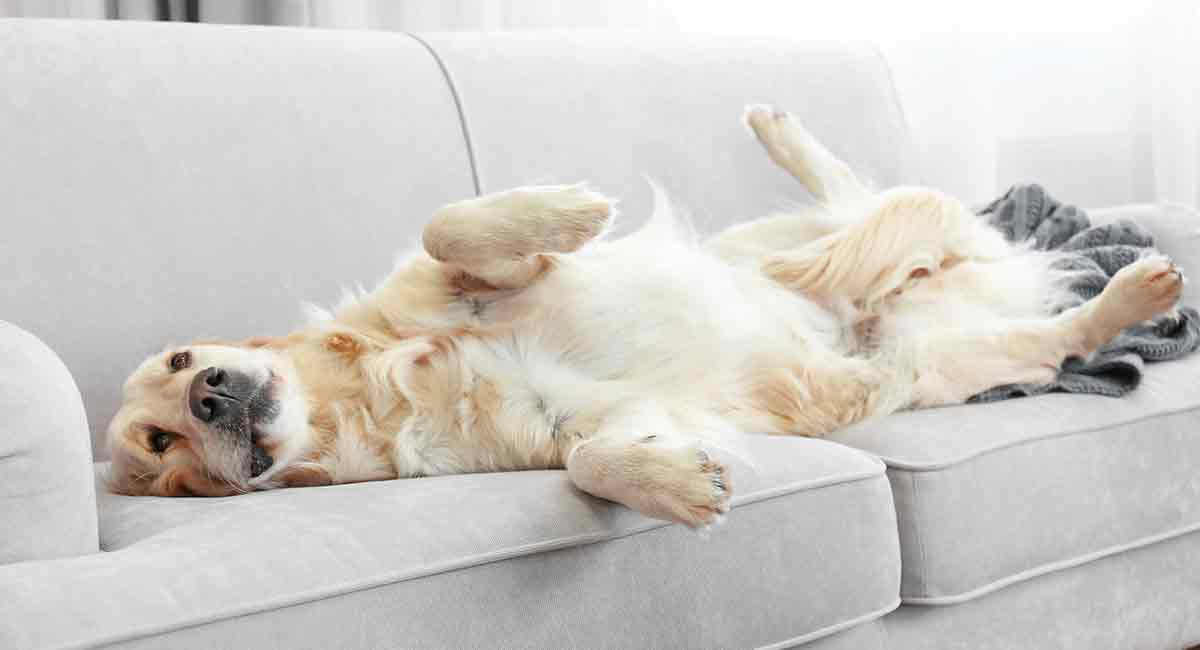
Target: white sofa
<point x="160" y="182"/>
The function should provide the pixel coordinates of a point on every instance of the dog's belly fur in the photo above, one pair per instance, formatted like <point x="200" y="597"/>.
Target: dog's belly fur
<point x="614" y="329"/>
<point x="654" y="334"/>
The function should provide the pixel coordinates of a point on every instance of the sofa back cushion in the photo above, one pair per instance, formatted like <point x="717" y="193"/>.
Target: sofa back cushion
<point x="614" y="109"/>
<point x="163" y="182"/>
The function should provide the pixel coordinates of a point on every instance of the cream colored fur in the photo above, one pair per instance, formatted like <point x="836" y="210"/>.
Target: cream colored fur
<point x="521" y="338"/>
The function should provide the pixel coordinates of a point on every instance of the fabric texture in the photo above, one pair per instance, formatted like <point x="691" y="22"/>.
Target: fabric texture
<point x="1028" y="214"/>
<point x="47" y="501"/>
<point x="1145" y="598"/>
<point x="519" y="559"/>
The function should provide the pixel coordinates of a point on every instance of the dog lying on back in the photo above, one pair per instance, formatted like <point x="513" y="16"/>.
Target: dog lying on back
<point x="519" y="339"/>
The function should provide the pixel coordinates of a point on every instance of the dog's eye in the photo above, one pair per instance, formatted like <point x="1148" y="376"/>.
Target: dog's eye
<point x="160" y="441"/>
<point x="180" y="361"/>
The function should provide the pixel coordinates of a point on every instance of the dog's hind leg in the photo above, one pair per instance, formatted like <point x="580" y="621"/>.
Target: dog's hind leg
<point x="909" y="234"/>
<point x="502" y="238"/>
<point x="751" y="241"/>
<point x="795" y="150"/>
<point x="839" y="193"/>
<point x="817" y="396"/>
<point x="952" y="367"/>
<point x="872" y="245"/>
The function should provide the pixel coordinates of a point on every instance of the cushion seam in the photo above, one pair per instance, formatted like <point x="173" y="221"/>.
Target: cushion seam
<point x="922" y="575"/>
<point x="1051" y="567"/>
<point x="482" y="559"/>
<point x="907" y="155"/>
<point x="915" y="467"/>
<point x="458" y="106"/>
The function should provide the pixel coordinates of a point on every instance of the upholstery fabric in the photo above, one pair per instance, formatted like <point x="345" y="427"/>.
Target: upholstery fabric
<point x="1147" y="598"/>
<point x="164" y="182"/>
<point x="47" y="500"/>
<point x="614" y="109"/>
<point x="489" y="560"/>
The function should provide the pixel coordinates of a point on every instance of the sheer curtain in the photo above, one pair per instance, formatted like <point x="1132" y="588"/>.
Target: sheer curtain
<point x="405" y="15"/>
<point x="1099" y="102"/>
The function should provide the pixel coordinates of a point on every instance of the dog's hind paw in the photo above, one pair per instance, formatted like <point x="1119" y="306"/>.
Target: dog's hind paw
<point x="1142" y="290"/>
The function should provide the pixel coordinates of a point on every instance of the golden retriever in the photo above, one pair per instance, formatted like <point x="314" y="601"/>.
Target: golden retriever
<point x="521" y="339"/>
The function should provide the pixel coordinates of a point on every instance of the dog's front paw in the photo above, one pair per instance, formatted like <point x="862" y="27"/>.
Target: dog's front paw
<point x="692" y="489"/>
<point x="660" y="479"/>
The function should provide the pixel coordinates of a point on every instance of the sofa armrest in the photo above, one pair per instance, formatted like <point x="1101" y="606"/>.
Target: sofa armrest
<point x="1176" y="231"/>
<point x="47" y="490"/>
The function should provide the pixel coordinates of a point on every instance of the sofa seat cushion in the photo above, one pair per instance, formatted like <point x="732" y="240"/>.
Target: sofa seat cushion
<point x="992" y="494"/>
<point x="480" y="560"/>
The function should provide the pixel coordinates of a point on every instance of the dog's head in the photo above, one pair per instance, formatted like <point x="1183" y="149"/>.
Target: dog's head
<point x="208" y="420"/>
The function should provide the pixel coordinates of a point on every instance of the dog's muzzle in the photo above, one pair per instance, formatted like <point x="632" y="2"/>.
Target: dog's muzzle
<point x="232" y="402"/>
<point x="212" y="398"/>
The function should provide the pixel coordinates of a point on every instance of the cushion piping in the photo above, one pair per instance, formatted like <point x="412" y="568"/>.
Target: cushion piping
<point x="314" y="595"/>
<point x="1050" y="567"/>
<point x="458" y="106"/>
<point x="835" y="628"/>
<point x="922" y="580"/>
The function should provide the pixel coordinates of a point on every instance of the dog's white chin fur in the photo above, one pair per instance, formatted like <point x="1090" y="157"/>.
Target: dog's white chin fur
<point x="289" y="434"/>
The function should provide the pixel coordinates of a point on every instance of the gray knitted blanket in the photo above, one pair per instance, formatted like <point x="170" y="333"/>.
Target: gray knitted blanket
<point x="1028" y="213"/>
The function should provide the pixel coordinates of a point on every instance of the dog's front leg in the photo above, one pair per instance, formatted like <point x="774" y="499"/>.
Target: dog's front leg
<point x="660" y="477"/>
<point x="503" y="239"/>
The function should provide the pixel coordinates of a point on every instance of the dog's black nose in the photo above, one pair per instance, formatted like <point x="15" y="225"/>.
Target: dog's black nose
<point x="208" y="396"/>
